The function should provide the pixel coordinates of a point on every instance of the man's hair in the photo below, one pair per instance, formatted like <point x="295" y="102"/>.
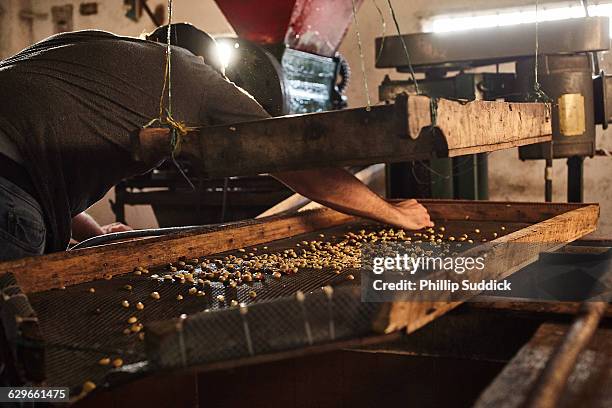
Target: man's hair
<point x="187" y="36"/>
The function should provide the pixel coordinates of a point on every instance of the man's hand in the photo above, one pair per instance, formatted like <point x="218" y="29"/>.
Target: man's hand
<point x="341" y="191"/>
<point x="411" y="215"/>
<point x="84" y="226"/>
<point x="115" y="227"/>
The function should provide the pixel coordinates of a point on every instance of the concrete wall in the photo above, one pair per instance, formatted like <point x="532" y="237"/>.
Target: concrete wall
<point x="510" y="179"/>
<point x="14" y="30"/>
<point x="111" y="17"/>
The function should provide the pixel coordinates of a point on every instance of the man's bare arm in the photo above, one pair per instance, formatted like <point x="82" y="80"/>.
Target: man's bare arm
<point x="84" y="226"/>
<point x="333" y="187"/>
<point x="338" y="189"/>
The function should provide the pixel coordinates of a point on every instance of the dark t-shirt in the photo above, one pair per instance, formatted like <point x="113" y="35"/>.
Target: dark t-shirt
<point x="70" y="103"/>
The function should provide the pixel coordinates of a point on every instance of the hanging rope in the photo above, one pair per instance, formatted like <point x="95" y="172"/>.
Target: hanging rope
<point x="165" y="119"/>
<point x="399" y="33"/>
<point x="538" y="95"/>
<point x="168" y="73"/>
<point x="536" y="83"/>
<point x="361" y="58"/>
<point x="384" y="29"/>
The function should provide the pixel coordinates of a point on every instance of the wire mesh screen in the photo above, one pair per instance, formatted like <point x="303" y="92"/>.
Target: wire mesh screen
<point x="266" y="327"/>
<point x="97" y="331"/>
<point x="88" y="335"/>
<point x="18" y="320"/>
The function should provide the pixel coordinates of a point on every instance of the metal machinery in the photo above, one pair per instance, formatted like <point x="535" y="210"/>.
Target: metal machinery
<point x="285" y="56"/>
<point x="567" y="72"/>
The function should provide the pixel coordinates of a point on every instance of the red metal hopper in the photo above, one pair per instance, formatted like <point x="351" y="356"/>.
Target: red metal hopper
<point x="316" y="26"/>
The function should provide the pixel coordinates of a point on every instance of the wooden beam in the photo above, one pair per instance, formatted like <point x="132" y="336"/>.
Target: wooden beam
<point x="503" y="260"/>
<point x="385" y="318"/>
<point x="68" y="268"/>
<point x="527" y="306"/>
<point x="589" y="386"/>
<point x="413" y="128"/>
<point x="498" y="211"/>
<point x="546" y="392"/>
<point x="484" y="126"/>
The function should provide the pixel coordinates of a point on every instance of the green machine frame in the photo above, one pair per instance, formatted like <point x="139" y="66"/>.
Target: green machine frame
<point x="463" y="177"/>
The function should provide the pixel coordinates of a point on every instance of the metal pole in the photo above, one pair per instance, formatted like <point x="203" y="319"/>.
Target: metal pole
<point x="483" y="176"/>
<point x="575" y="181"/>
<point x="548" y="181"/>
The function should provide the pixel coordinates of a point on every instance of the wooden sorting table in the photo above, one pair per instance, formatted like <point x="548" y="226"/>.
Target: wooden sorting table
<point x="68" y="312"/>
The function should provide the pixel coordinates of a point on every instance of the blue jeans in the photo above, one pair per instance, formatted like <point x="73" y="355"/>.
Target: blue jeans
<point x="22" y="226"/>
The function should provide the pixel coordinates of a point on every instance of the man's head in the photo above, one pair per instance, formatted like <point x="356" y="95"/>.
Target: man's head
<point x="187" y="36"/>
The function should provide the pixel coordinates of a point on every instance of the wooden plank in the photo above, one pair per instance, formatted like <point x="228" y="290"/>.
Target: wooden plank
<point x="388" y="133"/>
<point x="503" y="260"/>
<point x="527" y="306"/>
<point x="480" y="126"/>
<point x="547" y="390"/>
<point x="589" y="385"/>
<point x="68" y="268"/>
<point x="496" y="211"/>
